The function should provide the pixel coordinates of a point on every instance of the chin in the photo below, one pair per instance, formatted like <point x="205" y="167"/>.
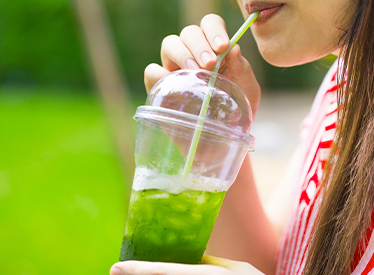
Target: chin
<point x="294" y="56"/>
<point x="285" y="59"/>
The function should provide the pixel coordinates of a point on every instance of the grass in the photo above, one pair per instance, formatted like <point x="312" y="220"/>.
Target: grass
<point x="61" y="189"/>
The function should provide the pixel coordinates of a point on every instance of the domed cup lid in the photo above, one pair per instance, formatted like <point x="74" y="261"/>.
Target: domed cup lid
<point x="177" y="98"/>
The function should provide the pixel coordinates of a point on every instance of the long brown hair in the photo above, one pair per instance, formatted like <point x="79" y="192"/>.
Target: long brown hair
<point x="348" y="197"/>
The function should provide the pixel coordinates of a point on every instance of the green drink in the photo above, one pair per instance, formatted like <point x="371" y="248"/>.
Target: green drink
<point x="169" y="227"/>
<point x="175" y="200"/>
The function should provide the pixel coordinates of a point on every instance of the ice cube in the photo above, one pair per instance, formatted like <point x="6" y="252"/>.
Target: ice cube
<point x="174" y="223"/>
<point x="201" y="198"/>
<point x="196" y="216"/>
<point x="134" y="196"/>
<point x="171" y="237"/>
<point x="189" y="237"/>
<point x="180" y="207"/>
<point x="157" y="196"/>
<point x="155" y="238"/>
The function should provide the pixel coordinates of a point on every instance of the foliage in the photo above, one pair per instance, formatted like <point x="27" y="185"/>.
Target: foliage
<point x="61" y="191"/>
<point x="40" y="44"/>
<point x="139" y="27"/>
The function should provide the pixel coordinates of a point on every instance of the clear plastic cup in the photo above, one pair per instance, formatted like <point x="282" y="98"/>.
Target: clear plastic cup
<point x="171" y="216"/>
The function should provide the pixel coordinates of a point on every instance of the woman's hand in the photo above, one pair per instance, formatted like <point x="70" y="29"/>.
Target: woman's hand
<point x="197" y="47"/>
<point x="209" y="266"/>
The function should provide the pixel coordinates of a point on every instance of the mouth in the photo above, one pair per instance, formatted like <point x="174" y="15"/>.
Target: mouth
<point x="265" y="9"/>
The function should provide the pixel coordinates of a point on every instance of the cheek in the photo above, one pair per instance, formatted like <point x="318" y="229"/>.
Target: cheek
<point x="296" y="44"/>
<point x="303" y="31"/>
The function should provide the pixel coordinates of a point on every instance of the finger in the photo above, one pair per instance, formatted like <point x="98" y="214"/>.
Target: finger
<point x="214" y="29"/>
<point x="175" y="55"/>
<point x="195" y="40"/>
<point x="150" y="268"/>
<point x="241" y="73"/>
<point x="153" y="73"/>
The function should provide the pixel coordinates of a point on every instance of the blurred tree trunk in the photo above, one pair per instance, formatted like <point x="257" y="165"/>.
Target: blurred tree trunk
<point x="109" y="78"/>
<point x="192" y="11"/>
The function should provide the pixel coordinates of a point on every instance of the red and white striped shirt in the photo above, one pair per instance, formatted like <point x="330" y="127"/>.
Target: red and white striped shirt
<point x="317" y="134"/>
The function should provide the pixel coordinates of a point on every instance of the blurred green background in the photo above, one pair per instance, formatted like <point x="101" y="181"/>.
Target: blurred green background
<point x="64" y="174"/>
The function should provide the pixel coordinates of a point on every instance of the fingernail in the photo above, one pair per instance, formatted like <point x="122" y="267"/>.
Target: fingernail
<point x="218" y="41"/>
<point x="191" y="64"/>
<point x="115" y="271"/>
<point x="205" y="57"/>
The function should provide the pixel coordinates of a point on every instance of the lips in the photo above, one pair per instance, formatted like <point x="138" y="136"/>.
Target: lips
<point x="266" y="9"/>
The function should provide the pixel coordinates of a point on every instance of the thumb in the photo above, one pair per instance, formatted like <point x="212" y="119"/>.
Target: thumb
<point x="217" y="261"/>
<point x="153" y="73"/>
<point x="241" y="268"/>
<point x="241" y="73"/>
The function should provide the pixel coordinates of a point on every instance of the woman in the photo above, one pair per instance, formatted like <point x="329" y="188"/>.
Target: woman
<point x="331" y="207"/>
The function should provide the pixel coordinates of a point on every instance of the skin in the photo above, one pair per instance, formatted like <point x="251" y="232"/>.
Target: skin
<point x="247" y="232"/>
<point x="209" y="266"/>
<point x="302" y="31"/>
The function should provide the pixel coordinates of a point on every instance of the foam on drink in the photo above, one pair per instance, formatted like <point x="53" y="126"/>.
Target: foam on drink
<point x="146" y="178"/>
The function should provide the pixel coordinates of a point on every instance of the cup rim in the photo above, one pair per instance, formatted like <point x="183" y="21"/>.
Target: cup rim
<point x="190" y="121"/>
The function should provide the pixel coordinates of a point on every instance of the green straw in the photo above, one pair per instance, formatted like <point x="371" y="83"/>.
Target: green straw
<point x="211" y="83"/>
